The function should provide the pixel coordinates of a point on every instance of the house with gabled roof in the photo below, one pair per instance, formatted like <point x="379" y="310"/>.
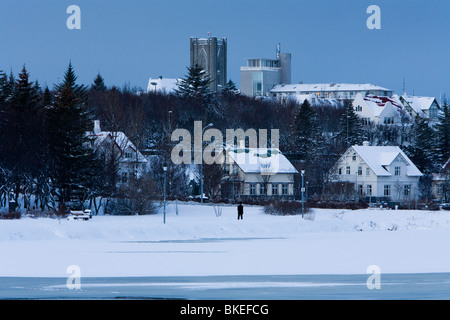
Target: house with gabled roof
<point x="117" y="146"/>
<point x="257" y="172"/>
<point x="387" y="110"/>
<point x="377" y="172"/>
<point x="426" y="107"/>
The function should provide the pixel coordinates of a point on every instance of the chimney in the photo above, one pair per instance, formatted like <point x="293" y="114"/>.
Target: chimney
<point x="366" y="143"/>
<point x="97" y="127"/>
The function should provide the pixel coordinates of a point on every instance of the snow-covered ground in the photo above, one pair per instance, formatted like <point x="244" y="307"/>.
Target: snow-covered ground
<point x="198" y="243"/>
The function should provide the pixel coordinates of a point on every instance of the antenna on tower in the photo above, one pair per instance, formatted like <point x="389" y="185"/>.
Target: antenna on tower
<point x="404" y="87"/>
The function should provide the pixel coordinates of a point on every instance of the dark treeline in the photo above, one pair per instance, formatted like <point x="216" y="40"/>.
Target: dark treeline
<point x="45" y="153"/>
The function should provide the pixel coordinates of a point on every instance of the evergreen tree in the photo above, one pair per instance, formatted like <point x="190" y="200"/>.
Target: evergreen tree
<point x="194" y="96"/>
<point x="47" y="98"/>
<point x="99" y="84"/>
<point x="230" y="88"/>
<point x="71" y="154"/>
<point x="305" y="133"/>
<point x="422" y="152"/>
<point x="443" y="135"/>
<point x="21" y="132"/>
<point x="352" y="131"/>
<point x="195" y="84"/>
<point x="6" y="87"/>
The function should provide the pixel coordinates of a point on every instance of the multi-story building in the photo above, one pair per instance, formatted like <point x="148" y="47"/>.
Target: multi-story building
<point x="377" y="172"/>
<point x="262" y="74"/>
<point x="316" y="92"/>
<point x="211" y="54"/>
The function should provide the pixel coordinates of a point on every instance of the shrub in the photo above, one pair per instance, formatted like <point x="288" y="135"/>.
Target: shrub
<point x="284" y="208"/>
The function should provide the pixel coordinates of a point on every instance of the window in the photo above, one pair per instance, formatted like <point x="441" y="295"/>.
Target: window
<point x="274" y="189"/>
<point x="359" y="171"/>
<point x="407" y="190"/>
<point x="354" y="157"/>
<point x="389" y="120"/>
<point x="358" y="108"/>
<point x="128" y="155"/>
<point x="340" y="171"/>
<point x="252" y="189"/>
<point x="257" y="83"/>
<point x="360" y="189"/>
<point x="387" y="190"/>
<point x="262" y="189"/>
<point x="367" y="171"/>
<point x="397" y="171"/>
<point x="365" y="121"/>
<point x="284" y="189"/>
<point x="124" y="177"/>
<point x="348" y="170"/>
<point x="369" y="189"/>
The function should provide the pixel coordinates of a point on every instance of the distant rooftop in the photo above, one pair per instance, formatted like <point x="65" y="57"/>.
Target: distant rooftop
<point x="317" y="87"/>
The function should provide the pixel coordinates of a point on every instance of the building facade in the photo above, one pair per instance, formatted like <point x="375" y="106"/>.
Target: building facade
<point x="257" y="173"/>
<point x="342" y="92"/>
<point x="261" y="74"/>
<point x="425" y="107"/>
<point x="211" y="54"/>
<point x="377" y="172"/>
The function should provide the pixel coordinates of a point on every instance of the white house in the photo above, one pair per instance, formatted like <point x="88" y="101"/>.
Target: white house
<point x="329" y="91"/>
<point x="380" y="109"/>
<point x="116" y="145"/>
<point x="257" y="172"/>
<point x="378" y="172"/>
<point x="426" y="107"/>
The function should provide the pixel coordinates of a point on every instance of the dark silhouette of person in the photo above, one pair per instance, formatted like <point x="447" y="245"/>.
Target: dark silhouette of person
<point x="240" y="210"/>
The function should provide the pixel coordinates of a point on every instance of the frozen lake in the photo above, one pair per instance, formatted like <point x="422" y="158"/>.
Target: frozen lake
<point x="276" y="287"/>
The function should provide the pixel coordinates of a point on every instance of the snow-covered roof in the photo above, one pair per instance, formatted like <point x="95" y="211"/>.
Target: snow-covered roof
<point x="260" y="160"/>
<point x="376" y="104"/>
<point x="316" y="101"/>
<point x="164" y="85"/>
<point x="121" y="141"/>
<point x="378" y="157"/>
<point x="317" y="87"/>
<point x="419" y="104"/>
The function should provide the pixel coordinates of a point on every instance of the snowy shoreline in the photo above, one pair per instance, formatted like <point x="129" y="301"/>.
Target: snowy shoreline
<point x="197" y="243"/>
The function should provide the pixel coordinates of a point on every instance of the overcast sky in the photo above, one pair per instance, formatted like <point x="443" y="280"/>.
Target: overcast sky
<point x="130" y="41"/>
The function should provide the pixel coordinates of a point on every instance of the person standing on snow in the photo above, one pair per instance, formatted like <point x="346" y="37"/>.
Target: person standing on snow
<point x="240" y="210"/>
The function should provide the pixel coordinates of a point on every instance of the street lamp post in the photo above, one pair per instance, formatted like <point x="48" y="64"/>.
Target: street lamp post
<point x="165" y="174"/>
<point x="201" y="165"/>
<point x="303" y="193"/>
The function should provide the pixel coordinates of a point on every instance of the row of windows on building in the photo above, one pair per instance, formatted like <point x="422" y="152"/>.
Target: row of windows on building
<point x="359" y="172"/>
<point x="386" y="120"/>
<point x="275" y="188"/>
<point x="387" y="190"/>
